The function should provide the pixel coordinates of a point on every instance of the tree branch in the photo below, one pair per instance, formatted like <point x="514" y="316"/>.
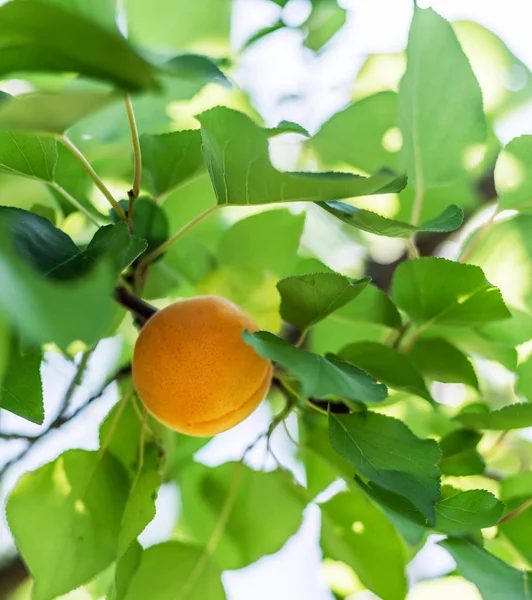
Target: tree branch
<point x="141" y="309"/>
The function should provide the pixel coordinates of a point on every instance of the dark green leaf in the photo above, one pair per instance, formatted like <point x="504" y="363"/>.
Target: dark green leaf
<point x="385" y="451"/>
<point x="356" y="533"/>
<point x="21" y="387"/>
<point x="150" y="222"/>
<point x="249" y="242"/>
<point x="319" y="376"/>
<point x="37" y="36"/>
<point x="459" y="453"/>
<point x="468" y="511"/>
<point x="170" y="159"/>
<point x="50" y="113"/>
<point x="386" y="365"/>
<point x="495" y="579"/>
<point x="196" y="68"/>
<point x="513" y="177"/>
<point x="514" y="416"/>
<point x="76" y="503"/>
<point x="437" y="291"/>
<point x="369" y="221"/>
<point x="237" y="157"/>
<point x="173" y="566"/>
<point x="246" y="537"/>
<point x="439" y="104"/>
<point x="307" y="299"/>
<point x="439" y="360"/>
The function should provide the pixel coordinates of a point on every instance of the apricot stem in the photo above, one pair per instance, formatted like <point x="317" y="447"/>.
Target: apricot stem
<point x="137" y="161"/>
<point x="177" y="236"/>
<point x="80" y="157"/>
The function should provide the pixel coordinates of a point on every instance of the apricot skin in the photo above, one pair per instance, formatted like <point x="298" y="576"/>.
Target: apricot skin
<point x="192" y="369"/>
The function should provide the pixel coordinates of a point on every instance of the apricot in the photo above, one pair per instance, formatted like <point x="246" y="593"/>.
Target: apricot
<point x="192" y="369"/>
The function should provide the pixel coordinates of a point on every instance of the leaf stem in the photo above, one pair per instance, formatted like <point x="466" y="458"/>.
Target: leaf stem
<point x="92" y="173"/>
<point x="137" y="161"/>
<point x="478" y="235"/>
<point x="412" y="248"/>
<point x="74" y="202"/>
<point x="418" y="204"/>
<point x="177" y="236"/>
<point x="517" y="511"/>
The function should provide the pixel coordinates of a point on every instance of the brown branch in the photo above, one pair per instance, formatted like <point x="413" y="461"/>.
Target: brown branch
<point x="141" y="309"/>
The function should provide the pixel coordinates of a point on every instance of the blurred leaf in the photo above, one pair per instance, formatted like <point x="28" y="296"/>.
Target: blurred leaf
<point x="385" y="451"/>
<point x="516" y="490"/>
<point x="140" y="505"/>
<point x="524" y="379"/>
<point x="170" y="159"/>
<point x="287" y="127"/>
<point x="386" y="365"/>
<point x="356" y="533"/>
<point x="495" y="579"/>
<point x="439" y="360"/>
<point x="46" y="311"/>
<point x="513" y="176"/>
<point x="468" y="511"/>
<point x="513" y="416"/>
<point x="173" y="566"/>
<point x="439" y="104"/>
<point x="263" y="32"/>
<point x="514" y="332"/>
<point x="307" y="299"/>
<point x="102" y="11"/>
<point x="20" y="386"/>
<point x="324" y="21"/>
<point x="371" y="222"/>
<point x="196" y="68"/>
<point x="185" y="24"/>
<point x="50" y="113"/>
<point x="236" y="153"/>
<point x="125" y="569"/>
<point x="247" y="537"/>
<point x="406" y="518"/>
<point x="76" y="503"/>
<point x="28" y="155"/>
<point x="357" y="134"/>
<point x="39" y="36"/>
<point x="248" y="243"/>
<point x="460" y="456"/>
<point x="319" y="376"/>
<point x="437" y="291"/>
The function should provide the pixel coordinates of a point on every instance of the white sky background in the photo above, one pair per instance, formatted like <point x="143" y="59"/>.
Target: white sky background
<point x="275" y="69"/>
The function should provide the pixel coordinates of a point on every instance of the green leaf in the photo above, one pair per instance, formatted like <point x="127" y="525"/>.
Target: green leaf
<point x="307" y="299"/>
<point x="439" y="360"/>
<point x="102" y="11"/>
<point x="371" y="222"/>
<point x="247" y="536"/>
<point x="513" y="416"/>
<point x="524" y="381"/>
<point x="237" y="157"/>
<point x="125" y="569"/>
<point x="385" y="451"/>
<point x="28" y="155"/>
<point x="197" y="68"/>
<point x="140" y="506"/>
<point x="46" y="311"/>
<point x="170" y="159"/>
<point x="495" y="579"/>
<point x="356" y="533"/>
<point x="263" y="32"/>
<point x="287" y="127"/>
<point x="438" y="291"/>
<point x="50" y="113"/>
<point x="248" y="243"/>
<point x="173" y="566"/>
<point x="386" y="365"/>
<point x="515" y="491"/>
<point x="513" y="332"/>
<point x="319" y="376"/>
<point x="459" y="453"/>
<point x="355" y="135"/>
<point x="38" y="36"/>
<point x="468" y="511"/>
<point x="76" y="503"/>
<point x="21" y="386"/>
<point x="513" y="176"/>
<point x="439" y="104"/>
<point x="323" y="23"/>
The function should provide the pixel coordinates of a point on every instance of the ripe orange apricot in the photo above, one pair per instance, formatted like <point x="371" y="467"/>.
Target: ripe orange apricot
<point x="192" y="369"/>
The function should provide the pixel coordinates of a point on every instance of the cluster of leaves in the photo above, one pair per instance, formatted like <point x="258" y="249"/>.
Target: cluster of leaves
<point x="360" y="377"/>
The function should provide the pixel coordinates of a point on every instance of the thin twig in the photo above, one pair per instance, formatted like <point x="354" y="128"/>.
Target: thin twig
<point x="93" y="175"/>
<point x="177" y="236"/>
<point x="478" y="235"/>
<point x="517" y="511"/>
<point x="137" y="161"/>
